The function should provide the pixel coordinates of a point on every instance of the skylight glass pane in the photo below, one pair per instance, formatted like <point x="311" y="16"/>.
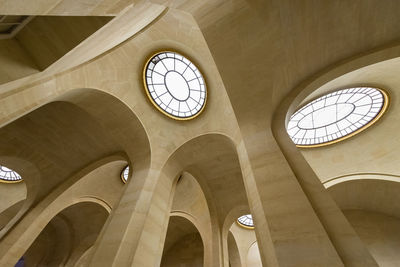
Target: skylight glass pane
<point x="175" y="85"/>
<point x="8" y="175"/>
<point x="246" y="221"/>
<point x="125" y="174"/>
<point x="336" y="115"/>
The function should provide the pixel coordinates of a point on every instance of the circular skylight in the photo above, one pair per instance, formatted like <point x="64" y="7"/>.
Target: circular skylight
<point x="246" y="221"/>
<point x="336" y="116"/>
<point x="175" y="85"/>
<point x="125" y="174"/>
<point x="9" y="176"/>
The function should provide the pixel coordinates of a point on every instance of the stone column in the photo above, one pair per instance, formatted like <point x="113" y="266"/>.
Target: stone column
<point x="135" y="232"/>
<point x="342" y="235"/>
<point x="289" y="233"/>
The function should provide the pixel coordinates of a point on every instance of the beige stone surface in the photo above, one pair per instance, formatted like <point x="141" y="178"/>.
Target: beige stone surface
<point x="371" y="207"/>
<point x="71" y="128"/>
<point x="380" y="233"/>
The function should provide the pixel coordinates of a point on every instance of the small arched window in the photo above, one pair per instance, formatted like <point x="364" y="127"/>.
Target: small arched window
<point x="8" y="175"/>
<point x="246" y="221"/>
<point x="125" y="174"/>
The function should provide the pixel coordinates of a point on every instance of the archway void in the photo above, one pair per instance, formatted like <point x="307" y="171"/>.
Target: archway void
<point x="53" y="142"/>
<point x="183" y="244"/>
<point x="233" y="251"/>
<point x="67" y="236"/>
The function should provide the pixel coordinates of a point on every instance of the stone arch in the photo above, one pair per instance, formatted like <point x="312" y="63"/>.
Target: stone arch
<point x="70" y="233"/>
<point x="213" y="160"/>
<point x="183" y="239"/>
<point x="92" y="124"/>
<point x="25" y="169"/>
<point x="200" y="156"/>
<point x="189" y="202"/>
<point x="371" y="207"/>
<point x="230" y="219"/>
<point x="190" y="218"/>
<point x="233" y="251"/>
<point x="77" y="189"/>
<point x="305" y="175"/>
<point x="296" y="96"/>
<point x="361" y="176"/>
<point x="372" y="195"/>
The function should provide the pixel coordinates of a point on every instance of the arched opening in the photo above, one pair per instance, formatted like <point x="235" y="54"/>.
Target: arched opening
<point x="240" y="240"/>
<point x="189" y="203"/>
<point x="371" y="207"/>
<point x="106" y="193"/>
<point x="207" y="169"/>
<point x="213" y="161"/>
<point x="67" y="236"/>
<point x="183" y="244"/>
<point x="370" y="151"/>
<point x="234" y="256"/>
<point x="61" y="138"/>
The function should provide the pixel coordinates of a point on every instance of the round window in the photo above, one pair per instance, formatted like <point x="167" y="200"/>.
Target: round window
<point x="337" y="116"/>
<point x="175" y="86"/>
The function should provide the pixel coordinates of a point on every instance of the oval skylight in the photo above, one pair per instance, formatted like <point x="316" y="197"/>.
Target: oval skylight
<point x="125" y="174"/>
<point x="246" y="221"/>
<point x="9" y="176"/>
<point x="336" y="116"/>
<point x="175" y="86"/>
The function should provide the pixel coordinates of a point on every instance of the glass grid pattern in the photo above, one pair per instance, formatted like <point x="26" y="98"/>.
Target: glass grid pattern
<point x="246" y="220"/>
<point x="9" y="175"/>
<point x="175" y="85"/>
<point x="335" y="115"/>
<point x="125" y="174"/>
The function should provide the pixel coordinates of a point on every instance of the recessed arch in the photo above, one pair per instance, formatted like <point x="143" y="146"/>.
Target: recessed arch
<point x="27" y="189"/>
<point x="305" y="174"/>
<point x="95" y="122"/>
<point x="374" y="195"/>
<point x="232" y="216"/>
<point x="233" y="251"/>
<point x="70" y="233"/>
<point x="361" y="176"/>
<point x="183" y="244"/>
<point x="299" y="94"/>
<point x="371" y="207"/>
<point x="212" y="160"/>
<point x="76" y="189"/>
<point x="305" y="90"/>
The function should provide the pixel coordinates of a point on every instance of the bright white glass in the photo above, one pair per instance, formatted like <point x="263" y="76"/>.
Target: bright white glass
<point x="9" y="175"/>
<point x="246" y="220"/>
<point x="335" y="115"/>
<point x="125" y="174"/>
<point x="175" y="85"/>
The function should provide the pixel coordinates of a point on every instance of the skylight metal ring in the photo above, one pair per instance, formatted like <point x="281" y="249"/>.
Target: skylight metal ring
<point x="160" y="108"/>
<point x="386" y="102"/>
